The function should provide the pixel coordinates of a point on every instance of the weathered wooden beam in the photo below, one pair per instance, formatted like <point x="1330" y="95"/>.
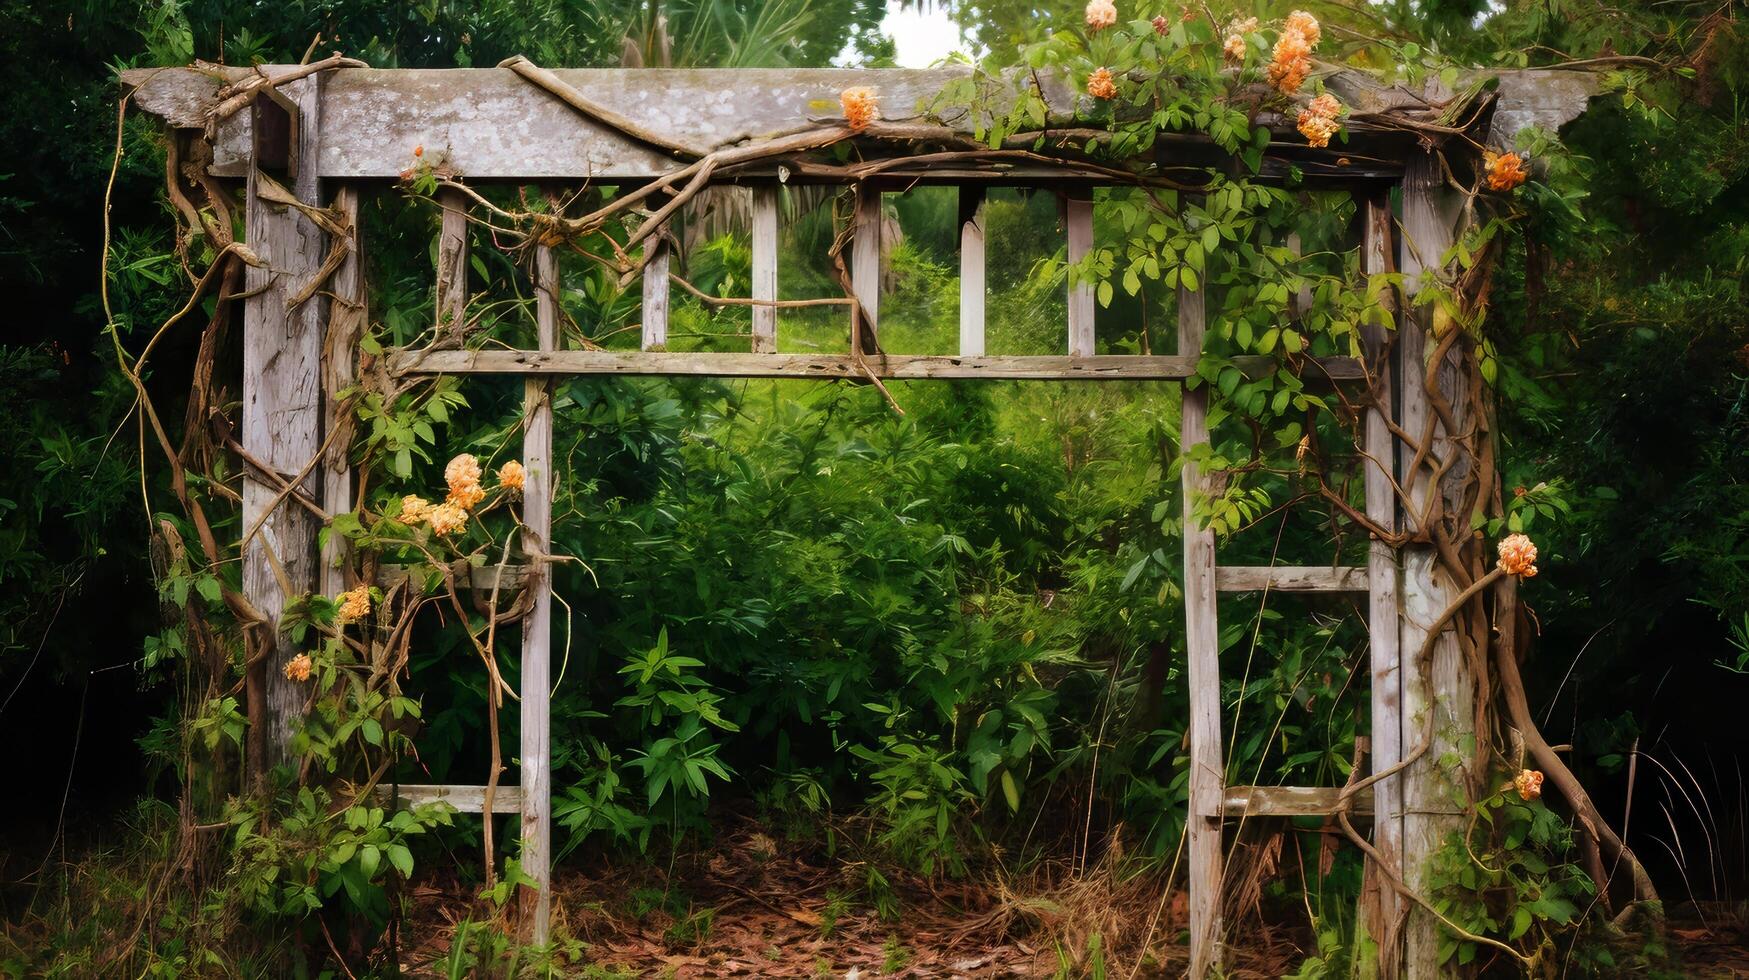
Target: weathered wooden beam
<point x="1202" y="654"/>
<point x="282" y="412"/>
<point x="1430" y="215"/>
<point x="865" y="261"/>
<point x="346" y="321"/>
<point x="537" y="629"/>
<point x="460" y="116"/>
<point x="451" y="303"/>
<point x="1290" y="801"/>
<point x="1384" y="910"/>
<point x="467" y="799"/>
<point x="898" y="367"/>
<point x="1078" y="221"/>
<point x="972" y="271"/>
<point x="1290" y="578"/>
<point x="656" y="286"/>
<point x="765" y="241"/>
<point x="474" y="578"/>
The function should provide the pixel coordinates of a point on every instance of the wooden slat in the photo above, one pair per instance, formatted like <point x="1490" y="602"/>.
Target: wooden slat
<point x="655" y="312"/>
<point x="765" y="267"/>
<point x="1383" y="622"/>
<point x="1203" y="667"/>
<point x="346" y="321"/>
<point x="1289" y="578"/>
<point x="1429" y="816"/>
<point x="385" y="113"/>
<point x="467" y="576"/>
<point x="452" y="268"/>
<point x="1290" y="801"/>
<point x="972" y="271"/>
<point x="282" y="411"/>
<point x="902" y="367"/>
<point x="865" y="261"/>
<point x="536" y="677"/>
<point x="467" y="799"/>
<point x="1078" y="219"/>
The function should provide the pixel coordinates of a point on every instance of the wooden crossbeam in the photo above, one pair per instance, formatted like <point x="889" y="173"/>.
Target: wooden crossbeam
<point x="373" y="118"/>
<point x="467" y="799"/>
<point x="897" y="367"/>
<point x="1290" y="801"/>
<point x="467" y="576"/>
<point x="1290" y="578"/>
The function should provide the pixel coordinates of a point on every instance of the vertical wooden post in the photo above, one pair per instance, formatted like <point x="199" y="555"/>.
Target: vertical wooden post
<point x="1429" y="786"/>
<point x="765" y="267"/>
<point x="1079" y="221"/>
<point x="536" y="673"/>
<point x="1385" y="906"/>
<point x="452" y="269"/>
<point x="282" y="408"/>
<point x="971" y="270"/>
<point x="1202" y="656"/>
<point x="347" y="318"/>
<point x="656" y="292"/>
<point x="865" y="264"/>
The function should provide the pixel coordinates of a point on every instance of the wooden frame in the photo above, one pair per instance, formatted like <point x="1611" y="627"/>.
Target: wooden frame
<point x="341" y="130"/>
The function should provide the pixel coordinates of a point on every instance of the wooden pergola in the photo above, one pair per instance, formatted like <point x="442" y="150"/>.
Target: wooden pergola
<point x="334" y="135"/>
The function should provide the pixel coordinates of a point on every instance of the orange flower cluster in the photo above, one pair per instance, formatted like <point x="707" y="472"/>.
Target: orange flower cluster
<point x="463" y="476"/>
<point x="1291" y="61"/>
<point x="1100" y="84"/>
<point x="447" y="518"/>
<point x="1318" y="120"/>
<point x="1306" y="25"/>
<point x="298" y="668"/>
<point x="1529" y="784"/>
<point x="415" y="510"/>
<point x="1517" y="556"/>
<point x="511" y="476"/>
<point x="1234" y="49"/>
<point x="354" y="604"/>
<point x="1101" y="14"/>
<point x="1505" y="171"/>
<point x="861" y="106"/>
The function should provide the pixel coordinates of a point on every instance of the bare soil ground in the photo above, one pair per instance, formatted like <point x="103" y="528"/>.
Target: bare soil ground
<point x="755" y="906"/>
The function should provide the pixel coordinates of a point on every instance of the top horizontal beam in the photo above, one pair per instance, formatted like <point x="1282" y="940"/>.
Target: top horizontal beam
<point x="490" y="124"/>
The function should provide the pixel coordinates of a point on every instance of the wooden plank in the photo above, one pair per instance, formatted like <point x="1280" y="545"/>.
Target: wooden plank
<point x="899" y="367"/>
<point x="282" y="413"/>
<point x="1290" y="578"/>
<point x="536" y="677"/>
<point x="347" y="316"/>
<point x="451" y="304"/>
<point x="1078" y="219"/>
<point x="467" y="799"/>
<point x="972" y="271"/>
<point x="474" y="578"/>
<point x="1203" y="667"/>
<point x="865" y="263"/>
<point x="1290" y="801"/>
<point x="655" y="312"/>
<point x="765" y="243"/>
<point x="1383" y="622"/>
<point x="462" y="113"/>
<point x="1429" y="815"/>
